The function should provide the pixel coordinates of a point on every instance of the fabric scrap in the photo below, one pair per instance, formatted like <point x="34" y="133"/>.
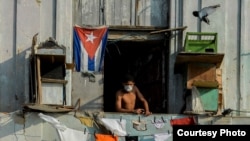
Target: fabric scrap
<point x="116" y="126"/>
<point x="53" y="121"/>
<point x="87" y="121"/>
<point x="158" y="123"/>
<point x="139" y="125"/>
<point x="183" y="121"/>
<point x="161" y="136"/>
<point x="65" y="133"/>
<point x="103" y="137"/>
<point x="72" y="135"/>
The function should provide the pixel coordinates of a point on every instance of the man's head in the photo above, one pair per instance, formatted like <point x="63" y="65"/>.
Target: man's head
<point x="128" y="82"/>
<point x="195" y="13"/>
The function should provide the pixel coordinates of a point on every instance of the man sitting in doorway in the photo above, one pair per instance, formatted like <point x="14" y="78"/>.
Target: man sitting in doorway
<point x="126" y="97"/>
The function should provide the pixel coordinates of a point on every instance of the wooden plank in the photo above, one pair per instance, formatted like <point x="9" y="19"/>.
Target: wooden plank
<point x="185" y="57"/>
<point x="138" y="37"/>
<point x="70" y="66"/>
<point x="219" y="77"/>
<point x="48" y="80"/>
<point x="218" y="72"/>
<point x="170" y="29"/>
<point x="205" y="84"/>
<point x="53" y="93"/>
<point x="49" y="108"/>
<point x="39" y="87"/>
<point x="200" y="72"/>
<point x="89" y="12"/>
<point x="220" y="91"/>
<point x="135" y="28"/>
<point x="220" y="98"/>
<point x="134" y="35"/>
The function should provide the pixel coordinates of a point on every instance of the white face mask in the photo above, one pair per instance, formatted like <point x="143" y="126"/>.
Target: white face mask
<point x="128" y="88"/>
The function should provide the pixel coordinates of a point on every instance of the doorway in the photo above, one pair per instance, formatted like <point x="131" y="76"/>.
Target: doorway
<point x="145" y="61"/>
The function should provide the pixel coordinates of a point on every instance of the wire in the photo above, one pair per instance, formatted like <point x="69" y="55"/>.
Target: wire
<point x="240" y="111"/>
<point x="8" y="114"/>
<point x="228" y="111"/>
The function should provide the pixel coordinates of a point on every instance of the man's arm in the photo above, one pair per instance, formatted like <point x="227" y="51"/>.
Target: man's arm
<point x="143" y="100"/>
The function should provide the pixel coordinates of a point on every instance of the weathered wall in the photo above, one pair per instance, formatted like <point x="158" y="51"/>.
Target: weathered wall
<point x="88" y="92"/>
<point x="26" y="18"/>
<point x="18" y="26"/>
<point x="121" y="12"/>
<point x="231" y="23"/>
<point x="7" y="57"/>
<point x="54" y="18"/>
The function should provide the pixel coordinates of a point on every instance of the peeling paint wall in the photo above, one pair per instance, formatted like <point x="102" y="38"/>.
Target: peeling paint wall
<point x="54" y="19"/>
<point x="121" y="12"/>
<point x="232" y="25"/>
<point x="18" y="25"/>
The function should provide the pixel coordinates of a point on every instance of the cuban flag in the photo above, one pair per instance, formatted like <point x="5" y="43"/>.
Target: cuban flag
<point x="89" y="45"/>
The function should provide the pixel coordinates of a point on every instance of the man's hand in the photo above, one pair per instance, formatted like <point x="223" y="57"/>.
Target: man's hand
<point x="138" y="111"/>
<point x="147" y="113"/>
<point x="142" y="111"/>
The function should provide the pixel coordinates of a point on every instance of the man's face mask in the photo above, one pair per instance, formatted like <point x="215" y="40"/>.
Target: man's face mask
<point x="128" y="88"/>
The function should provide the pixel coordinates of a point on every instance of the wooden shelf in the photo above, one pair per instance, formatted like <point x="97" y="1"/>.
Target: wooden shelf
<point x="205" y="84"/>
<point x="186" y="57"/>
<point x="49" y="80"/>
<point x="203" y="71"/>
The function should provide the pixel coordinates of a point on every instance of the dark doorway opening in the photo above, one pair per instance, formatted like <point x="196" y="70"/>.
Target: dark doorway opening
<point x="145" y="61"/>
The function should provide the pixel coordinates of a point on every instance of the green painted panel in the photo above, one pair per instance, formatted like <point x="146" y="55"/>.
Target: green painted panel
<point x="201" y="42"/>
<point x="209" y="98"/>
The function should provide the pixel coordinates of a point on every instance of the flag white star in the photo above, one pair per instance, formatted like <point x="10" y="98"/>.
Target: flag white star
<point x="91" y="37"/>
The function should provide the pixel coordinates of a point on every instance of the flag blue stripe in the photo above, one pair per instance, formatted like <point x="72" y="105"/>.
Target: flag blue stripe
<point x="77" y="51"/>
<point x="91" y="64"/>
<point x="104" y="42"/>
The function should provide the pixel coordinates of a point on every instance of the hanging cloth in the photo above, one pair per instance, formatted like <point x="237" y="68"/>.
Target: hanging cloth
<point x="103" y="137"/>
<point x="116" y="126"/>
<point x="162" y="136"/>
<point x="65" y="133"/>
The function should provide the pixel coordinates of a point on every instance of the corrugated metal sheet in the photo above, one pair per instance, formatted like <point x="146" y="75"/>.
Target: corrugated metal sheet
<point x="121" y="12"/>
<point x="88" y="12"/>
